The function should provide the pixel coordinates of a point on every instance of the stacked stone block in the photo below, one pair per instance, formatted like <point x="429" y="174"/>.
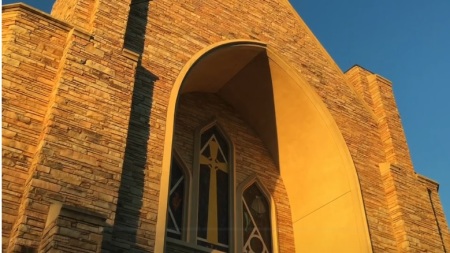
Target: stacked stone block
<point x="79" y="13"/>
<point x="72" y="229"/>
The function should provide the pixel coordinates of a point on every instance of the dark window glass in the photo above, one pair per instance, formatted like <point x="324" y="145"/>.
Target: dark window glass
<point x="203" y="200"/>
<point x="175" y="210"/>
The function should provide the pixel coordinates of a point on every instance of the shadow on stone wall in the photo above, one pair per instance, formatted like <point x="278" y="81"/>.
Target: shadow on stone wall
<point x="136" y="26"/>
<point x="123" y="236"/>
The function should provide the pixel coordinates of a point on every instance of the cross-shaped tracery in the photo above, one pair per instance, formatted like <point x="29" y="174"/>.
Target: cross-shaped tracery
<point x="214" y="170"/>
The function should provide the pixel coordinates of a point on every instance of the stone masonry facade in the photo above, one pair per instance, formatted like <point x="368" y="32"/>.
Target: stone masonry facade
<point x="85" y="95"/>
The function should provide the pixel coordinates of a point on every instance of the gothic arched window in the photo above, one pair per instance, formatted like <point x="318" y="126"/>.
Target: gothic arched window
<point x="256" y="223"/>
<point x="213" y="190"/>
<point x="213" y="197"/>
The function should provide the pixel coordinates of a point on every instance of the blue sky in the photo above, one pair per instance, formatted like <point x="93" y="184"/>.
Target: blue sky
<point x="407" y="42"/>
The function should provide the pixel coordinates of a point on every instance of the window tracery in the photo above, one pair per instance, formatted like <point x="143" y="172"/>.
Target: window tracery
<point x="257" y="232"/>
<point x="213" y="193"/>
<point x="212" y="199"/>
<point x="177" y="201"/>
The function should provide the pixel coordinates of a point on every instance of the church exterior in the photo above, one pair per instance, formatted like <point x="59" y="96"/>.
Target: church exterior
<point x="200" y="126"/>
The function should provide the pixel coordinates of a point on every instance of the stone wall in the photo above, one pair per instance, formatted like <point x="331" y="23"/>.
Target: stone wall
<point x="378" y="94"/>
<point x="409" y="196"/>
<point x="416" y="224"/>
<point x="72" y="229"/>
<point x="32" y="50"/>
<point x="67" y="110"/>
<point x="84" y="118"/>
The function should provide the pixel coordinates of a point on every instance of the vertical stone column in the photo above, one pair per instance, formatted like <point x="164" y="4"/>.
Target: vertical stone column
<point x="80" y="148"/>
<point x="32" y="50"/>
<point x="357" y="78"/>
<point x="389" y="122"/>
<point x="105" y="19"/>
<point x="79" y="13"/>
<point x="377" y="93"/>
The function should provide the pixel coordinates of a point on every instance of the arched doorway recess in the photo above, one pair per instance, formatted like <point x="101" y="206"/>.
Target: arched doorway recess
<point x="299" y="132"/>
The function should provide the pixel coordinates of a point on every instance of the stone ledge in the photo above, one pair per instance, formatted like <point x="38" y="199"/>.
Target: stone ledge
<point x="376" y="77"/>
<point x="21" y="7"/>
<point x="428" y="181"/>
<point x="185" y="247"/>
<point x="373" y="75"/>
<point x="79" y="213"/>
<point x="131" y="54"/>
<point x="26" y="8"/>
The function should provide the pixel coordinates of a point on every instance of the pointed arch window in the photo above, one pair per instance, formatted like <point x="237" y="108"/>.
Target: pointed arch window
<point x="212" y="197"/>
<point x="206" y="220"/>
<point x="213" y="220"/>
<point x="256" y="223"/>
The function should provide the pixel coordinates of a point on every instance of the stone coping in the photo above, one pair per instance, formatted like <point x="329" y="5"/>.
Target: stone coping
<point x="26" y="8"/>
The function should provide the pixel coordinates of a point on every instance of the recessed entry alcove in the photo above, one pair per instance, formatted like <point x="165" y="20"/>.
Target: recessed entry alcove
<point x="298" y="131"/>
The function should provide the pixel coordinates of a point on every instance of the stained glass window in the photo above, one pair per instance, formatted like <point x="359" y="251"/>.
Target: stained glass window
<point x="213" y="215"/>
<point x="256" y="221"/>
<point x="176" y="203"/>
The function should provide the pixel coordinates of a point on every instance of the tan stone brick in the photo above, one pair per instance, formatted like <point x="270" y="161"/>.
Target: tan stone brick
<point x="45" y="185"/>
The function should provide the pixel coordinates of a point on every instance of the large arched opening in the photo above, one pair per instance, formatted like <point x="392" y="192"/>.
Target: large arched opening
<point x="299" y="132"/>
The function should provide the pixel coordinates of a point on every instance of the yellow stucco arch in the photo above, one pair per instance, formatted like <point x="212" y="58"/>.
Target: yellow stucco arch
<point x="315" y="163"/>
